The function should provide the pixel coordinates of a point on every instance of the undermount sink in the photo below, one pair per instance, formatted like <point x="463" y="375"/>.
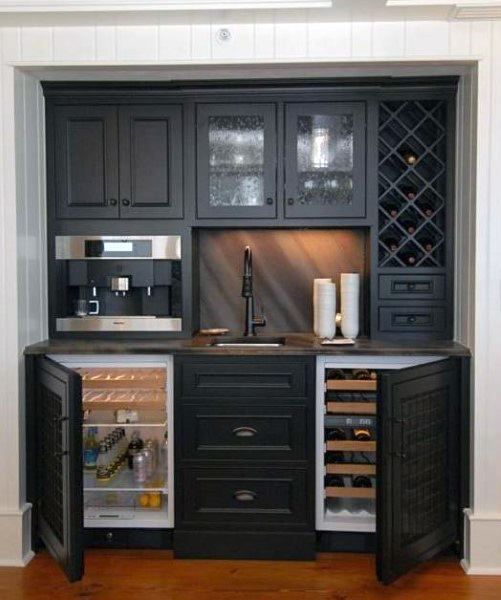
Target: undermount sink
<point x="245" y="342"/>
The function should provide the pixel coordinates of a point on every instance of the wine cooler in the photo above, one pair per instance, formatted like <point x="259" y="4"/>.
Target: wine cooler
<point x="127" y="456"/>
<point x="346" y="431"/>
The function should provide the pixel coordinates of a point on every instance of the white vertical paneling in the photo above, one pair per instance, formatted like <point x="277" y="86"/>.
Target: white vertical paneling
<point x="200" y="40"/>
<point x="388" y="39"/>
<point x="74" y="43"/>
<point x="36" y="44"/>
<point x="361" y="40"/>
<point x="459" y="38"/>
<point x="239" y="45"/>
<point x="331" y="40"/>
<point x="106" y="43"/>
<point x="137" y="43"/>
<point x="174" y="42"/>
<point x="427" y="38"/>
<point x="291" y="38"/>
<point x="264" y="35"/>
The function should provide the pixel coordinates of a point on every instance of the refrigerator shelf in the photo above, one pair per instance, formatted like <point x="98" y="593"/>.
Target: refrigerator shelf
<point x="114" y="425"/>
<point x="123" y="481"/>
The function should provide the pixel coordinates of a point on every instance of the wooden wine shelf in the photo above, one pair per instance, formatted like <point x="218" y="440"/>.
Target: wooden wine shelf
<point x="144" y="378"/>
<point x="352" y="408"/>
<point x="95" y="399"/>
<point x="349" y="492"/>
<point x="351" y="385"/>
<point x="351" y="446"/>
<point x="350" y="469"/>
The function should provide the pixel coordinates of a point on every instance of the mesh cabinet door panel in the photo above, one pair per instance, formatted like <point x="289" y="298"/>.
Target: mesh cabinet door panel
<point x="59" y="464"/>
<point x="417" y="494"/>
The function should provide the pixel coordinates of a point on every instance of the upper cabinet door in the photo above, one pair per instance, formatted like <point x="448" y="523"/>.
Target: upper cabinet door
<point x="151" y="162"/>
<point x="236" y="160"/>
<point x="86" y="162"/>
<point x="417" y="465"/>
<point x="59" y="464"/>
<point x="325" y="160"/>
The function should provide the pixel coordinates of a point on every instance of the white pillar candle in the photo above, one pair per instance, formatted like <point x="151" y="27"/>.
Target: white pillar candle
<point x="350" y="292"/>
<point x="316" y="283"/>
<point x="326" y="310"/>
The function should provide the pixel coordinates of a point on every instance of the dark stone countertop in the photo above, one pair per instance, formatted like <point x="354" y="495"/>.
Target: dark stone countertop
<point x="296" y="344"/>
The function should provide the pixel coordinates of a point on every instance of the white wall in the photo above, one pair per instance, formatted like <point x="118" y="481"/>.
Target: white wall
<point x="302" y="38"/>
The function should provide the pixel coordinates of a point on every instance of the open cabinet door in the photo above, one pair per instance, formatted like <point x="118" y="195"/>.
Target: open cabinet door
<point x="417" y="465"/>
<point x="59" y="464"/>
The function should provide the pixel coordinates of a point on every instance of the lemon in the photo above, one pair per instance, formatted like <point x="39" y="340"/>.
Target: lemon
<point x="155" y="500"/>
<point x="144" y="500"/>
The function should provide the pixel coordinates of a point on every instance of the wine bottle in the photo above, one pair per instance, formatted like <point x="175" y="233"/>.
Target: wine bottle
<point x="361" y="481"/>
<point x="392" y="208"/>
<point x="409" y="226"/>
<point x="391" y="243"/>
<point x="427" y="209"/>
<point x="409" y="258"/>
<point x="333" y="456"/>
<point x="362" y="434"/>
<point x="427" y="243"/>
<point x="335" y="434"/>
<point x="336" y="374"/>
<point x="409" y="193"/>
<point x="334" y="481"/>
<point x="363" y="374"/>
<point x="410" y="157"/>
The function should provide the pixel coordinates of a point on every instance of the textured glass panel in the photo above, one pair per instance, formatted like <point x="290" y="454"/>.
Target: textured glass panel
<point x="236" y="160"/>
<point x="325" y="159"/>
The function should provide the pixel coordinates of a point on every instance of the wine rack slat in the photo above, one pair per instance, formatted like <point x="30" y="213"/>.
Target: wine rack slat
<point x="119" y="377"/>
<point x="349" y="492"/>
<point x="123" y="399"/>
<point x="355" y="385"/>
<point x="350" y="469"/>
<point x="355" y="408"/>
<point x="350" y="446"/>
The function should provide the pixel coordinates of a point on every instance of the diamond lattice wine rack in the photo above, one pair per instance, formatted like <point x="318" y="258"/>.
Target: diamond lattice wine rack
<point x="412" y="183"/>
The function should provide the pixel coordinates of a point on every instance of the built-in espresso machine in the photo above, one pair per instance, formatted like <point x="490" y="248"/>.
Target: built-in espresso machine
<point x="119" y="283"/>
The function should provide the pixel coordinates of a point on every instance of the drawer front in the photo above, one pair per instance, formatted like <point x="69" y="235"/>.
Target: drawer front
<point x="243" y="378"/>
<point x="412" y="287"/>
<point x="412" y="319"/>
<point x="242" y="432"/>
<point x="242" y="497"/>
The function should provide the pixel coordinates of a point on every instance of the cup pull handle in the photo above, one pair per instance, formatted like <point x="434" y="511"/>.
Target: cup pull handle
<point x="95" y="310"/>
<point x="245" y="495"/>
<point x="244" y="432"/>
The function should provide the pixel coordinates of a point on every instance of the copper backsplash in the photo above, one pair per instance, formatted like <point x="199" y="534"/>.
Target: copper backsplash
<point x="285" y="264"/>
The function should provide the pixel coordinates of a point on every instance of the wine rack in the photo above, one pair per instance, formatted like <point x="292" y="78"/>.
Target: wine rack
<point x="412" y="183"/>
<point x="348" y="426"/>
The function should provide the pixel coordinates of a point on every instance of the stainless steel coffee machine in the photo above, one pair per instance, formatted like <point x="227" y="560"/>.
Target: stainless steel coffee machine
<point x="119" y="283"/>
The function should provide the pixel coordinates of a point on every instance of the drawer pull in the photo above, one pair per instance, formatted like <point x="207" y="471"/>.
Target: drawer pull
<point x="244" y="432"/>
<point x="245" y="495"/>
<point x="411" y="319"/>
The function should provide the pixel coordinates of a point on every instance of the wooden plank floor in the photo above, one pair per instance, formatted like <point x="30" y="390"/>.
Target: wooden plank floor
<point x="152" y="575"/>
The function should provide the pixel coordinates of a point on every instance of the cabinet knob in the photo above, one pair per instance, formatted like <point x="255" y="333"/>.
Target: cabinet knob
<point x="290" y="201"/>
<point x="113" y="201"/>
<point x="244" y="432"/>
<point x="109" y="536"/>
<point x="125" y="202"/>
<point x="269" y="200"/>
<point x="411" y="319"/>
<point x="245" y="495"/>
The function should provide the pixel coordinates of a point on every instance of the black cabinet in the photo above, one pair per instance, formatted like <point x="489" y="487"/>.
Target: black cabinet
<point x="245" y="456"/>
<point x="236" y="160"/>
<point x="118" y="162"/>
<point x="86" y="162"/>
<point x="325" y="160"/>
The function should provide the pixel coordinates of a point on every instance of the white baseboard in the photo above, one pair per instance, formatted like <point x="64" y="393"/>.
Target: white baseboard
<point x="483" y="543"/>
<point x="15" y="537"/>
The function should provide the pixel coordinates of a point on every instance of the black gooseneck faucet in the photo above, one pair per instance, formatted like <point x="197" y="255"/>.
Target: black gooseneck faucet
<point x="251" y="320"/>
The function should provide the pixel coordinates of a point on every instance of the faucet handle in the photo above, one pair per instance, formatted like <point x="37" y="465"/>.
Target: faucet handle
<point x="260" y="320"/>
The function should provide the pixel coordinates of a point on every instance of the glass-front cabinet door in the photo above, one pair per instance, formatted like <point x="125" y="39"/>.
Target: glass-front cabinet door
<point x="325" y="160"/>
<point x="236" y="160"/>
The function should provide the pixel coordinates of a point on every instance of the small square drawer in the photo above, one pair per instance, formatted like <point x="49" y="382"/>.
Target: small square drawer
<point x="412" y="319"/>
<point x="246" y="496"/>
<point x="242" y="432"/>
<point x="240" y="377"/>
<point x="412" y="287"/>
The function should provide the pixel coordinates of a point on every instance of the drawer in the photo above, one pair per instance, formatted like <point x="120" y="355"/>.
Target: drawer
<point x="237" y="377"/>
<point x="412" y="319"/>
<point x="242" y="432"/>
<point x="243" y="497"/>
<point x="412" y="287"/>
